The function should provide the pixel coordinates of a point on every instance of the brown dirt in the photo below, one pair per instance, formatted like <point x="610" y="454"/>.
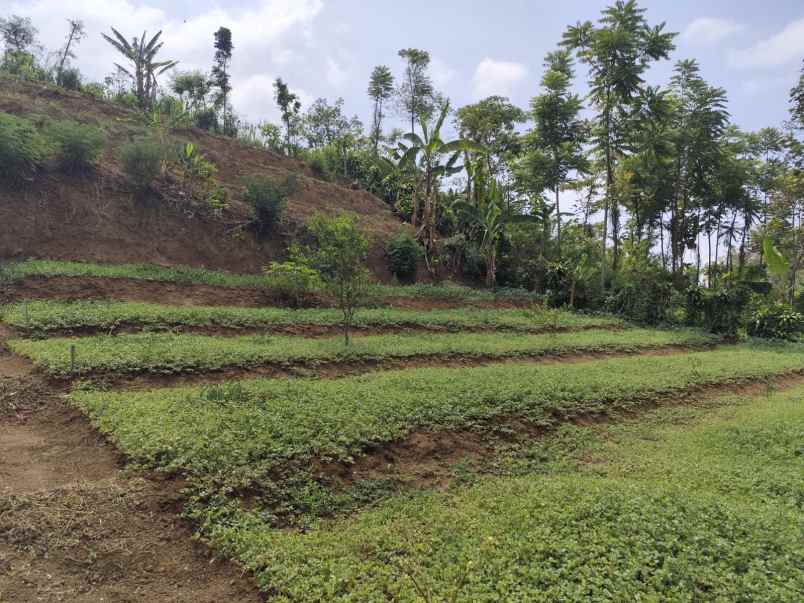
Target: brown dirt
<point x="335" y="369"/>
<point x="75" y="528"/>
<point x="175" y="294"/>
<point x="97" y="217"/>
<point x="428" y="459"/>
<point x="298" y="330"/>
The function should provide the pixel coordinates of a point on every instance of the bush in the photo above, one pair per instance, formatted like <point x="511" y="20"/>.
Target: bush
<point x="69" y="79"/>
<point x="206" y="119"/>
<point x="292" y="282"/>
<point x="78" y="145"/>
<point x="403" y="255"/>
<point x="775" y="321"/>
<point x="268" y="200"/>
<point x="718" y="310"/>
<point x="22" y="149"/>
<point x="142" y="162"/>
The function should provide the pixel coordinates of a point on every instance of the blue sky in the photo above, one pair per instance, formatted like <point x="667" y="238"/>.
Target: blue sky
<point x="328" y="47"/>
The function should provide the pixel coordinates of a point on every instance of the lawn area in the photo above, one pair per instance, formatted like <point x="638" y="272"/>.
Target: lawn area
<point x="174" y="353"/>
<point x="688" y="504"/>
<point x="43" y="316"/>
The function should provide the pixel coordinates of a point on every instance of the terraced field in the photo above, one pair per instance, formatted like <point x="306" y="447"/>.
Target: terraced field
<point x="464" y="454"/>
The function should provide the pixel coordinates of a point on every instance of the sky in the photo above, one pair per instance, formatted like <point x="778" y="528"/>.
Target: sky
<point x="327" y="48"/>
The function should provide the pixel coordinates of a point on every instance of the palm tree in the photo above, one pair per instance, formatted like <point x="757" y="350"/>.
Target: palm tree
<point x="426" y="152"/>
<point x="141" y="55"/>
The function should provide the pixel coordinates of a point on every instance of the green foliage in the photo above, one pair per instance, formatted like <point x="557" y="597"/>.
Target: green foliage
<point x="719" y="310"/>
<point x="78" y="145"/>
<point x="69" y="79"/>
<point x="775" y="320"/>
<point x="269" y="200"/>
<point x="175" y="429"/>
<point x="22" y="149"/>
<point x="642" y="291"/>
<point x="292" y="282"/>
<point x="688" y="506"/>
<point x="339" y="255"/>
<point x="169" y="353"/>
<point x="404" y="253"/>
<point x="142" y="162"/>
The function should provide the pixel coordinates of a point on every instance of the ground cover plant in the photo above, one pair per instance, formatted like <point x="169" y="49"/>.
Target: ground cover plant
<point x="58" y="315"/>
<point x="189" y="275"/>
<point x="172" y="353"/>
<point x="243" y="427"/>
<point x="686" y="504"/>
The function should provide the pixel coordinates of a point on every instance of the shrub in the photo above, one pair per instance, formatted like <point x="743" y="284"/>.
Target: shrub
<point x="775" y="321"/>
<point x="268" y="200"/>
<point x="206" y="119"/>
<point x="292" y="282"/>
<point x="22" y="149"/>
<point x="78" y="145"/>
<point x="403" y="255"/>
<point x="69" y="79"/>
<point x="142" y="162"/>
<point x="95" y="90"/>
<point x="718" y="310"/>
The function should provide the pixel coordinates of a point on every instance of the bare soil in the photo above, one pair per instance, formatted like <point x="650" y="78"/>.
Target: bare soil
<point x="190" y="294"/>
<point x="97" y="216"/>
<point x="75" y="528"/>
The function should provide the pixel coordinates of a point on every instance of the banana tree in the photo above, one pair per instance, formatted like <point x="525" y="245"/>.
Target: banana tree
<point x="426" y="154"/>
<point x="141" y="54"/>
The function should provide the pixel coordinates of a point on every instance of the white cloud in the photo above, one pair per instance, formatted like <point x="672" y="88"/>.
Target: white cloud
<point x="266" y="37"/>
<point x="709" y="30"/>
<point x="782" y="48"/>
<point x="497" y="77"/>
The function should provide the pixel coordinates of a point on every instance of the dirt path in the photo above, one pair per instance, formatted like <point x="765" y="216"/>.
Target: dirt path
<point x="75" y="528"/>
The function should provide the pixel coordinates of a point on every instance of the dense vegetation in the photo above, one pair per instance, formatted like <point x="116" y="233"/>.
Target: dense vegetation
<point x="686" y="505"/>
<point x="169" y="353"/>
<point x="244" y="427"/>
<point x="674" y="202"/>
<point x="42" y="316"/>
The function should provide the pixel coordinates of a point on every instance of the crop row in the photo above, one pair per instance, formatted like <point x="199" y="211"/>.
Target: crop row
<point x="706" y="510"/>
<point x="60" y="315"/>
<point x="174" y="353"/>
<point x="244" y="427"/>
<point x="188" y="275"/>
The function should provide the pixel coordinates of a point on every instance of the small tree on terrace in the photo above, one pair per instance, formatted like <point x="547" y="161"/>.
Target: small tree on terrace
<point x="220" y="73"/>
<point x="340" y="256"/>
<point x="289" y="105"/>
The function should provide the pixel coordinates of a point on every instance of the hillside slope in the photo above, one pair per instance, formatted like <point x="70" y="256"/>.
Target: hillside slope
<point x="97" y="217"/>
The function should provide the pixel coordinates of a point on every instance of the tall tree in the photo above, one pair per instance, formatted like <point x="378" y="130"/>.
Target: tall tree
<point x="415" y="93"/>
<point x="797" y="101"/>
<point x="700" y="122"/>
<point x="491" y="124"/>
<point x="556" y="142"/>
<point x="75" y="34"/>
<point x="617" y="51"/>
<point x="289" y="106"/>
<point x="141" y="54"/>
<point x="18" y="33"/>
<point x="220" y="72"/>
<point x="380" y="89"/>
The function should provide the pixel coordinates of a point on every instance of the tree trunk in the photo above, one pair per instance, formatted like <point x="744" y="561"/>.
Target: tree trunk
<point x="558" y="224"/>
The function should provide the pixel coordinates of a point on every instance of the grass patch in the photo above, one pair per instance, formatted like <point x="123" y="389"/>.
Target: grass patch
<point x="172" y="353"/>
<point x="687" y="506"/>
<point x="45" y="316"/>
